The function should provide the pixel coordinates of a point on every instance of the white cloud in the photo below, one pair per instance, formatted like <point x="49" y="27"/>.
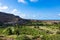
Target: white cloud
<point x="16" y="12"/>
<point x="2" y="8"/>
<point x="25" y="2"/>
<point x="34" y="0"/>
<point x="22" y="1"/>
<point x="22" y="15"/>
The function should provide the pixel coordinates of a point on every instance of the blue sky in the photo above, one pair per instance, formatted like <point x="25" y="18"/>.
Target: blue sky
<point x="32" y="9"/>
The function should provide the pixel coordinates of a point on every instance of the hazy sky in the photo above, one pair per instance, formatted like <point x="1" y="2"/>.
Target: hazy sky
<point x="32" y="9"/>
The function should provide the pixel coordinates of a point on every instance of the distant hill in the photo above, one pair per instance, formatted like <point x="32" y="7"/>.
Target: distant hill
<point x="11" y="19"/>
<point x="5" y="17"/>
<point x="8" y="18"/>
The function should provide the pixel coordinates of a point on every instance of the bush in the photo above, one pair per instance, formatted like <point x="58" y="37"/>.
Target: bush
<point x="58" y="32"/>
<point x="17" y="32"/>
<point x="10" y="31"/>
<point x="24" y="37"/>
<point x="49" y="32"/>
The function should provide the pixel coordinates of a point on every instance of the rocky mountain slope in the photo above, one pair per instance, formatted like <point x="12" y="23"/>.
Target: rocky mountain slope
<point x="6" y="17"/>
<point x="10" y="18"/>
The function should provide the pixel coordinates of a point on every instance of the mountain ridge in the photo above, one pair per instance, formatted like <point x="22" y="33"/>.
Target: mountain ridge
<point x="10" y="18"/>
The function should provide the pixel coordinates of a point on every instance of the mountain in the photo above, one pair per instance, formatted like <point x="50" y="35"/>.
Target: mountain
<point x="8" y="18"/>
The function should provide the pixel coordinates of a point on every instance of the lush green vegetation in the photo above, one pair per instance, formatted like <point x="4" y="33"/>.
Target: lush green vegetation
<point x="43" y="32"/>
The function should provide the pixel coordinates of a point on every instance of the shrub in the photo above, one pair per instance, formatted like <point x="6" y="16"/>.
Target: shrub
<point x="10" y="31"/>
<point x="58" y="32"/>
